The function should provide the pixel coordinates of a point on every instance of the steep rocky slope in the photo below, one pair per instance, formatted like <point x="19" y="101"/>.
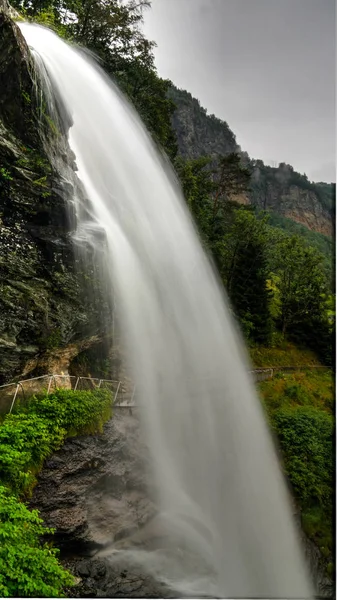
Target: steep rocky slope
<point x="280" y="190"/>
<point x="199" y="134"/>
<point x="286" y="192"/>
<point x="40" y="307"/>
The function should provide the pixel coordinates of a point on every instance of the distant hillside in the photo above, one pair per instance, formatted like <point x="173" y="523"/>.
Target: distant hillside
<point x="280" y="190"/>
<point x="292" y="195"/>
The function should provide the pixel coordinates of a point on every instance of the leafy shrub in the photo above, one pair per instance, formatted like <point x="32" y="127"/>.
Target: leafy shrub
<point x="77" y="412"/>
<point x="306" y="438"/>
<point x="25" y="441"/>
<point x="295" y="392"/>
<point x="305" y="434"/>
<point x="39" y="428"/>
<point x="27" y="568"/>
<point x="299" y="406"/>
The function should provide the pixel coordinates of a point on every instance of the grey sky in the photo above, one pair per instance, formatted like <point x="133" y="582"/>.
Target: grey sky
<point x="267" y="67"/>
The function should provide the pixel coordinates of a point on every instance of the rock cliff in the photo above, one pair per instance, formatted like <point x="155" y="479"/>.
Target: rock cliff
<point x="291" y="195"/>
<point x="41" y="291"/>
<point x="280" y="190"/>
<point x="199" y="134"/>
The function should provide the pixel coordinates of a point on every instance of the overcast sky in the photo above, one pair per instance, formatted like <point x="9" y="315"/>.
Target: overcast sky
<point x="267" y="67"/>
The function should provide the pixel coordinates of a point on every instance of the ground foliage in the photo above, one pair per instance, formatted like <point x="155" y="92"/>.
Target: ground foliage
<point x="300" y="409"/>
<point x="29" y="567"/>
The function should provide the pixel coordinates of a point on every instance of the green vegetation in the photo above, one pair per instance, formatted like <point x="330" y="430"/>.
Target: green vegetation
<point x="27" y="438"/>
<point x="302" y="292"/>
<point x="247" y="279"/>
<point x="26" y="97"/>
<point x="40" y="427"/>
<point x="5" y="174"/>
<point x="300" y="409"/>
<point x="113" y="31"/>
<point x="27" y="567"/>
<point x="277" y="283"/>
<point x="282" y="353"/>
<point x="299" y="388"/>
<point x="322" y="243"/>
<point x="32" y="160"/>
<point x="232" y="178"/>
<point x="327" y="195"/>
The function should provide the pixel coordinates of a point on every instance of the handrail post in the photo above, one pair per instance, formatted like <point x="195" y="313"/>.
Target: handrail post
<point x="119" y="383"/>
<point x="76" y="384"/>
<point x="14" y="398"/>
<point x="49" y="384"/>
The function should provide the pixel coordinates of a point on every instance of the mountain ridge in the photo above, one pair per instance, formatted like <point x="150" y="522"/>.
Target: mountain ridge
<point x="280" y="190"/>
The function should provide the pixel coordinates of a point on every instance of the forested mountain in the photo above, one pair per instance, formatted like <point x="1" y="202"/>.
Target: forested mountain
<point x="280" y="190"/>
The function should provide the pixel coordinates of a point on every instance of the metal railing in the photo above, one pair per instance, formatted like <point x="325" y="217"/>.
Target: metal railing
<point x="19" y="392"/>
<point x="268" y="372"/>
<point x="262" y="374"/>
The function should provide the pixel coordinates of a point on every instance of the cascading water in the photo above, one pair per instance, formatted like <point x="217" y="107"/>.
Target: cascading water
<point x="219" y="483"/>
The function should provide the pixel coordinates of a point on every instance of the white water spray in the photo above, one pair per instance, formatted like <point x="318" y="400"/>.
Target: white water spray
<point x="216" y="470"/>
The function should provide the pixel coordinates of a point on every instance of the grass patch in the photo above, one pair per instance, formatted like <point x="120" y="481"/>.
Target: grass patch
<point x="284" y="354"/>
<point x="27" y="437"/>
<point x="299" y="388"/>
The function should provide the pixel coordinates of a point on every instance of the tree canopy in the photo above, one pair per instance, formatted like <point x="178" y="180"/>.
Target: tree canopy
<point x="112" y="30"/>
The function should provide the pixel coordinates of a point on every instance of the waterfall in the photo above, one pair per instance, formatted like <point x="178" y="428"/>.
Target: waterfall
<point x="219" y="483"/>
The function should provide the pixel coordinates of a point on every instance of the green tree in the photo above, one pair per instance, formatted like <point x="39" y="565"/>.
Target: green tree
<point x="247" y="275"/>
<point x="197" y="184"/>
<point x="236" y="238"/>
<point x="231" y="178"/>
<point x="148" y="93"/>
<point x="113" y="31"/>
<point x="303" y="294"/>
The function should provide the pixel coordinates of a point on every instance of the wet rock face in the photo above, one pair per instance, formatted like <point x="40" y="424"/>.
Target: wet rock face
<point x="16" y="84"/>
<point x="98" y="578"/>
<point x="95" y="490"/>
<point x="43" y="304"/>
